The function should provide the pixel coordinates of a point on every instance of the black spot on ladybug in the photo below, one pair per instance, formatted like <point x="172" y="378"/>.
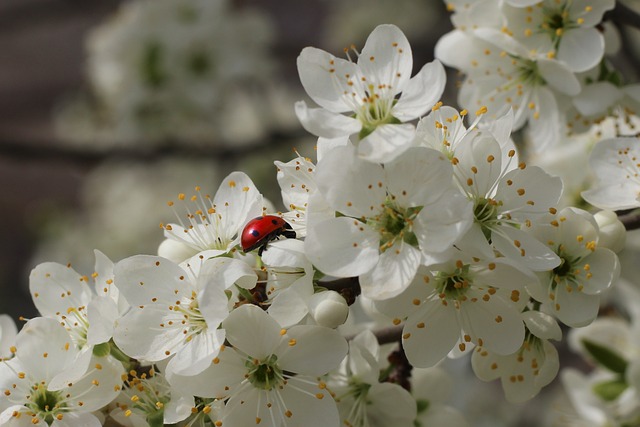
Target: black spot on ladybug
<point x="258" y="232"/>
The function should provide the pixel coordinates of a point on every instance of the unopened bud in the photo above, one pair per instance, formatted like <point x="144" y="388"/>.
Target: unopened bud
<point x="329" y="309"/>
<point x="613" y="235"/>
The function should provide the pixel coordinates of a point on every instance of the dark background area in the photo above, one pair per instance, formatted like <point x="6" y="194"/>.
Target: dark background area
<point x="42" y="55"/>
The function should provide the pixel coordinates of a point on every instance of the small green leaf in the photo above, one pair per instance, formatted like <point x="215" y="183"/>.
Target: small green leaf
<point x="610" y="390"/>
<point x="606" y="357"/>
<point x="101" y="350"/>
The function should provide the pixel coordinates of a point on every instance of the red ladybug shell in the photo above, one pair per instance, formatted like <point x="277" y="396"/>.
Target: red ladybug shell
<point x="261" y="230"/>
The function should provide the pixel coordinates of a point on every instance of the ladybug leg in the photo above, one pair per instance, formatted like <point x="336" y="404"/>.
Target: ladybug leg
<point x="261" y="249"/>
<point x="289" y="234"/>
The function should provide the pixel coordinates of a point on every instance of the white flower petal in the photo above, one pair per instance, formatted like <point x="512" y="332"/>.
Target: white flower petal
<point x="236" y="202"/>
<point x="455" y="49"/>
<point x="596" y="98"/>
<point x="74" y="372"/>
<point x="8" y="333"/>
<point x="311" y="350"/>
<point x="386" y="58"/>
<point x="74" y="419"/>
<point x="581" y="48"/>
<point x="219" y="380"/>
<point x="601" y="269"/>
<point x="545" y="120"/>
<point x="326" y="124"/>
<point x="418" y="177"/>
<point x="324" y="78"/>
<point x="403" y="305"/>
<point x="288" y="308"/>
<point x="325" y="145"/>
<point x="439" y="226"/>
<point x="475" y="243"/>
<point x="43" y="335"/>
<point x="618" y="186"/>
<point x="56" y="288"/>
<point x="430" y="334"/>
<point x="102" y="314"/>
<point x="391" y="405"/>
<point x="141" y="278"/>
<point x="574" y="308"/>
<point x="528" y="192"/>
<point x="342" y="247"/>
<point x="500" y="273"/>
<point x="252" y="331"/>
<point x="386" y="142"/>
<point x="394" y="271"/>
<point x="98" y="387"/>
<point x="422" y="92"/>
<point x="522" y="247"/>
<point x="494" y="321"/>
<point x="542" y="325"/>
<point x="175" y="250"/>
<point x="351" y="185"/>
<point x="194" y="358"/>
<point x="132" y="333"/>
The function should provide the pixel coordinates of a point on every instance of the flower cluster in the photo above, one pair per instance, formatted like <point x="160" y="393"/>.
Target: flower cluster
<point x="455" y="241"/>
<point x="161" y="71"/>
<point x="546" y="59"/>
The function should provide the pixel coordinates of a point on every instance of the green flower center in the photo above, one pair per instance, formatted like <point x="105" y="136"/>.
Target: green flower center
<point x="194" y="322"/>
<point x="376" y="110"/>
<point x="149" y="393"/>
<point x="528" y="72"/>
<point x="395" y="224"/>
<point x="485" y="212"/>
<point x="555" y="22"/>
<point x="265" y="374"/>
<point x="453" y="285"/>
<point x="46" y="404"/>
<point x="564" y="269"/>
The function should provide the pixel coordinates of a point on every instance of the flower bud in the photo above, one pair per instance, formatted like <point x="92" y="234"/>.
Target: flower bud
<point x="613" y="235"/>
<point x="175" y="251"/>
<point x="328" y="308"/>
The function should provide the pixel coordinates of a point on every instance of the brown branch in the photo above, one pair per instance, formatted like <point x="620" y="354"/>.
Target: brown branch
<point x="630" y="219"/>
<point x="389" y="335"/>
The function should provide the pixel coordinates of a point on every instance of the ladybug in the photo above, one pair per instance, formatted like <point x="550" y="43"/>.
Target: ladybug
<point x="261" y="230"/>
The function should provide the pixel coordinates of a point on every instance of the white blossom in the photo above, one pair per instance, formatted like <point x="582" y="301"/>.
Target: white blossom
<point x="392" y="219"/>
<point x="215" y="225"/>
<point x="364" y="401"/>
<point x="176" y="312"/>
<point x="615" y="164"/>
<point x="368" y="88"/>
<point x="533" y="366"/>
<point x="36" y="386"/>
<point x="271" y="375"/>
<point x="571" y="291"/>
<point x="463" y="303"/>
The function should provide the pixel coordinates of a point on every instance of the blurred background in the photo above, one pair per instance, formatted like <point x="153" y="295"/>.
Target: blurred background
<point x="110" y="108"/>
